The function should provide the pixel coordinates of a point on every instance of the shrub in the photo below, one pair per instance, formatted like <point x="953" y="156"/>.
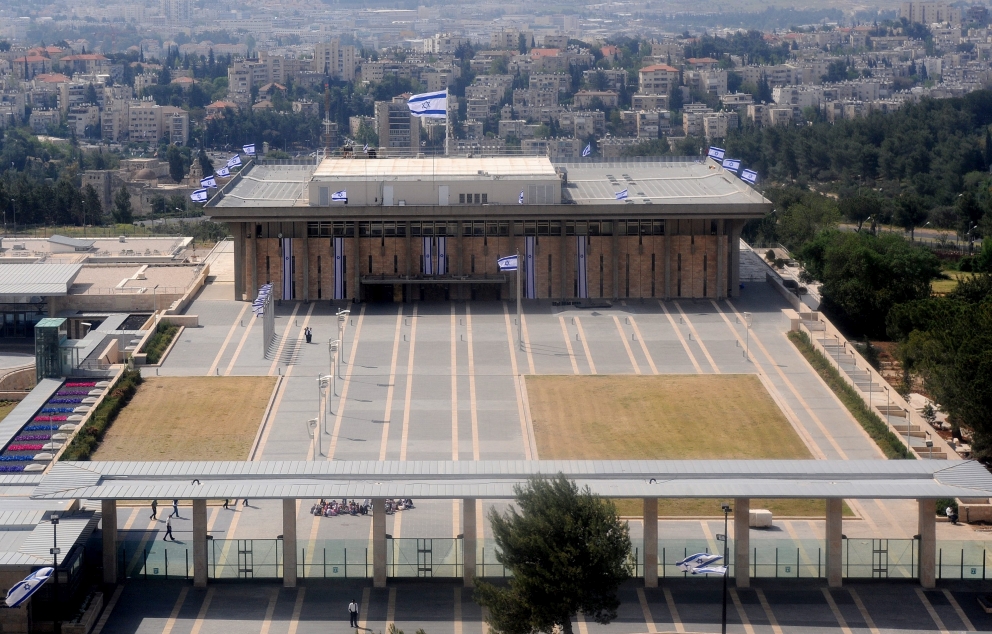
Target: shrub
<point x="770" y="255"/>
<point x="88" y="438"/>
<point x="159" y="342"/>
<point x="966" y="264"/>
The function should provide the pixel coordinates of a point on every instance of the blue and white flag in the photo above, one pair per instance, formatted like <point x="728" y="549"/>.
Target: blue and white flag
<point x="249" y="149"/>
<point x="22" y="590"/>
<point x="224" y="172"/>
<point x="340" y="196"/>
<point x="716" y="153"/>
<point x="622" y="195"/>
<point x="199" y="196"/>
<point x="700" y="563"/>
<point x="208" y="182"/>
<point x="749" y="176"/>
<point x="520" y="200"/>
<point x="433" y="105"/>
<point x="734" y="165"/>
<point x="587" y="150"/>
<point x="366" y="148"/>
<point x="508" y="263"/>
<point x="234" y="161"/>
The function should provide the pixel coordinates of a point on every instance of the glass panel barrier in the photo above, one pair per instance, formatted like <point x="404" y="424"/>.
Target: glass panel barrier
<point x="965" y="559"/>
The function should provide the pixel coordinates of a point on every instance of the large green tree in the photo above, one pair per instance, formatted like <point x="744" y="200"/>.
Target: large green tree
<point x="568" y="552"/>
<point x="863" y="276"/>
<point x="123" y="212"/>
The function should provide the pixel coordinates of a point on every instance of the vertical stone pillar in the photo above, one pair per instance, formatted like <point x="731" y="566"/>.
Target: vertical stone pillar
<point x="289" y="552"/>
<point x="379" y="543"/>
<point x="615" y="258"/>
<point x="563" y="269"/>
<point x="469" y="540"/>
<point x="834" y="532"/>
<point x="357" y="266"/>
<point x="735" y="258"/>
<point x="928" y="541"/>
<point x="109" y="513"/>
<point x="306" y="265"/>
<point x="742" y="542"/>
<point x="650" y="542"/>
<point x="252" y="264"/>
<point x="721" y="260"/>
<point x="239" y="230"/>
<point x="668" y="258"/>
<point x="199" y="543"/>
<point x="408" y="240"/>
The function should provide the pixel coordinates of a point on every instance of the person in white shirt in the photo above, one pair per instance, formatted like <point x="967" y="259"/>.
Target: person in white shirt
<point x="353" y="613"/>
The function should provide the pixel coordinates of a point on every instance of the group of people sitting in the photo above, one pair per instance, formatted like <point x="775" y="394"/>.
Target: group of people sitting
<point x="332" y="508"/>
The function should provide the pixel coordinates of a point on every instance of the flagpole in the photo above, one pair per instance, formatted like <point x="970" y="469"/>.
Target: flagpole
<point x="520" y="338"/>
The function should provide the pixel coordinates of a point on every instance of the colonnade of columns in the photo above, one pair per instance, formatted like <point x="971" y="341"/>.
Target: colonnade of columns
<point x="927" y="526"/>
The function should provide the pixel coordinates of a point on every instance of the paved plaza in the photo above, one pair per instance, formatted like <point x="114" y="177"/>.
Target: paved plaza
<point x="442" y="381"/>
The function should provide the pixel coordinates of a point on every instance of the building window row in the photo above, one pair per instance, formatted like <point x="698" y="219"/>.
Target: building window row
<point x="478" y="199"/>
<point x="484" y="228"/>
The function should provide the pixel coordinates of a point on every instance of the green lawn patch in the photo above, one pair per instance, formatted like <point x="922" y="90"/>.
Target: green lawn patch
<point x="888" y="442"/>
<point x="159" y="342"/>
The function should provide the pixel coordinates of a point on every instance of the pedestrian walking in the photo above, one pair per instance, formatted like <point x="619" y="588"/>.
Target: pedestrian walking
<point x="154" y="510"/>
<point x="353" y="613"/>
<point x="175" y="509"/>
<point x="308" y="334"/>
<point x="168" y="531"/>
<point x="245" y="503"/>
<point x="226" y="501"/>
<point x="951" y="514"/>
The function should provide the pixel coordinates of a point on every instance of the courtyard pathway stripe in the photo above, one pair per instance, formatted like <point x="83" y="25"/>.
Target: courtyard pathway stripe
<point x="768" y="611"/>
<point x="568" y="345"/>
<point x="454" y="384"/>
<point x="241" y="345"/>
<point x="644" y="346"/>
<point x="285" y="337"/>
<point x="269" y="611"/>
<point x="201" y="616"/>
<point x="626" y="346"/>
<point x="836" y="611"/>
<point x="678" y="333"/>
<point x="526" y="344"/>
<point x="864" y="613"/>
<point x="390" y="385"/>
<point x="390" y="609"/>
<point x="646" y="611"/>
<point x="363" y="619"/>
<point x="227" y="340"/>
<point x="676" y="619"/>
<point x="746" y="622"/>
<point x="714" y="547"/>
<point x="171" y="622"/>
<point x="408" y="397"/>
<point x="585" y="346"/>
<point x="294" y="621"/>
<point x="472" y="401"/>
<point x="131" y="518"/>
<point x="699" y="340"/>
<point x="346" y="383"/>
<point x="933" y="613"/>
<point x="807" y="560"/>
<point x="108" y="610"/>
<point x="583" y="627"/>
<point x="516" y="386"/>
<point x="957" y="608"/>
<point x="458" y="611"/>
<point x="149" y="533"/>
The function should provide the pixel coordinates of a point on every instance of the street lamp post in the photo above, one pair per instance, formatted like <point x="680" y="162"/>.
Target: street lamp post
<point x="747" y="335"/>
<point x="342" y="316"/>
<point x="323" y="387"/>
<point x="312" y="429"/>
<point x="929" y="442"/>
<point x="726" y="563"/>
<point x="57" y="624"/>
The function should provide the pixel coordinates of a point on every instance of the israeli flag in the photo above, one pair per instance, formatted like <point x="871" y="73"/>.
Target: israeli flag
<point x="716" y="153"/>
<point x="199" y="196"/>
<point x="622" y="195"/>
<point x="521" y="199"/>
<point x="234" y="161"/>
<point x="224" y="172"/>
<point x="22" y="590"/>
<point x="587" y="150"/>
<point x="340" y="196"/>
<point x="433" y="105"/>
<point x="249" y="149"/>
<point x="733" y="165"/>
<point x="208" y="182"/>
<point x="508" y="263"/>
<point x="366" y="148"/>
<point x="749" y="176"/>
<point x="700" y="564"/>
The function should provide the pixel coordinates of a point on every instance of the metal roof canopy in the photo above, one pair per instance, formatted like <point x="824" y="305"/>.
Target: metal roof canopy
<point x="32" y="279"/>
<point x="75" y="243"/>
<point x="720" y="479"/>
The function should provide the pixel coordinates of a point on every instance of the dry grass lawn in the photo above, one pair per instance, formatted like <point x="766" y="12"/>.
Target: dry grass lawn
<point x="943" y="287"/>
<point x="5" y="407"/>
<point x="189" y="418"/>
<point x="665" y="417"/>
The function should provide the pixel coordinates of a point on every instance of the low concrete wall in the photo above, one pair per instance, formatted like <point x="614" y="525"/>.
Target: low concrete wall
<point x="969" y="513"/>
<point x="19" y="379"/>
<point x="188" y="321"/>
<point x="179" y="305"/>
<point x="789" y="296"/>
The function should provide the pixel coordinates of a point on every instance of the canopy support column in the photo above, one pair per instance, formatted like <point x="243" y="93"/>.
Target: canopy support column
<point x="928" y="541"/>
<point x="650" y="542"/>
<point x="742" y="542"/>
<point x="469" y="527"/>
<point x="199" y="543"/>
<point x="379" y="543"/>
<point x="289" y="571"/>
<point x="835" y="537"/>
<point x="109" y="514"/>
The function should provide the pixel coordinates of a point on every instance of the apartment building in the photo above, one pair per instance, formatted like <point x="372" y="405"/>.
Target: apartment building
<point x="150" y="122"/>
<point x="398" y="130"/>
<point x="930" y="12"/>
<point x="336" y="59"/>
<point x="657" y="79"/>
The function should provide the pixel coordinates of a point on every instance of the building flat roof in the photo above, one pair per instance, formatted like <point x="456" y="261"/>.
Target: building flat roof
<point x="267" y="186"/>
<point x="847" y="479"/>
<point x="75" y="243"/>
<point x="44" y="280"/>
<point x="434" y="168"/>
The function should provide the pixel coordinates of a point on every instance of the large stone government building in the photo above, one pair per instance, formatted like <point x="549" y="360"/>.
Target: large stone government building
<point x="404" y="229"/>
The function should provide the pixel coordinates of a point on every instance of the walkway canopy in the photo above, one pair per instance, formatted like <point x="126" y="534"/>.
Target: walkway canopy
<point x="718" y="479"/>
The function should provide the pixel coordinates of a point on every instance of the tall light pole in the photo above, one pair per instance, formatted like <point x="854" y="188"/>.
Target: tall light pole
<point x="342" y="316"/>
<point x="333" y="351"/>
<point x="520" y="321"/>
<point x="323" y="387"/>
<point x="747" y="335"/>
<point x="57" y="625"/>
<point x="726" y="563"/>
<point x="312" y="429"/>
